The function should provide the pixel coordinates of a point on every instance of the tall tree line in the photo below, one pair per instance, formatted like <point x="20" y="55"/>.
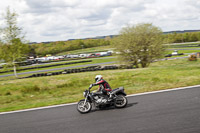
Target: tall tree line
<point x="181" y="37"/>
<point x="63" y="46"/>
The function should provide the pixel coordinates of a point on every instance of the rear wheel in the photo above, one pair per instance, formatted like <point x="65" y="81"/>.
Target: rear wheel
<point x="120" y="101"/>
<point x="84" y="108"/>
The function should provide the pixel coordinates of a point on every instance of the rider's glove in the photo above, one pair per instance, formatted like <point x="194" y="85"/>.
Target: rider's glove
<point x="92" y="85"/>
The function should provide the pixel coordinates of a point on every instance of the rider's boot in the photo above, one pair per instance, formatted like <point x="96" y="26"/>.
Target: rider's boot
<point x="110" y="98"/>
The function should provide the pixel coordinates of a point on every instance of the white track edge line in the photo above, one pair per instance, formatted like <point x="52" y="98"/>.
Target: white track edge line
<point x="61" y="105"/>
<point x="166" y="90"/>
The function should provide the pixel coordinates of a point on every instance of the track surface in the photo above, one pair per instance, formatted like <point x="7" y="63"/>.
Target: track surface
<point x="166" y="112"/>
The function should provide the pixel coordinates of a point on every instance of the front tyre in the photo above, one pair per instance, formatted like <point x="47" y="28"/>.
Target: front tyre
<point x="84" y="108"/>
<point x="120" y="101"/>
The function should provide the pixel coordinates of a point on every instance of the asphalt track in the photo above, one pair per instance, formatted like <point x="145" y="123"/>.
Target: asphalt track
<point x="166" y="112"/>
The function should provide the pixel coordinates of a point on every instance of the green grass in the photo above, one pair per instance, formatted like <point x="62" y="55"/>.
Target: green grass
<point x="183" y="44"/>
<point x="36" y="92"/>
<point x="183" y="47"/>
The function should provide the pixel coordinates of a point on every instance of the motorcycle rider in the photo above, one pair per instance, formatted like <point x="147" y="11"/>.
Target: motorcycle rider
<point x="104" y="87"/>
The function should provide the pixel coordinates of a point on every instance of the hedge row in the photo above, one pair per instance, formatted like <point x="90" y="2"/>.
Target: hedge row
<point x="78" y="70"/>
<point x="53" y="65"/>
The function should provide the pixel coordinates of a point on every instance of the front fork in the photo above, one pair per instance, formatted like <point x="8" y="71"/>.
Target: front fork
<point x="85" y="100"/>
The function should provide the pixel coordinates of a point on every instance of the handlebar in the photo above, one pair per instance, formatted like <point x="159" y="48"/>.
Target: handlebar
<point x="89" y="88"/>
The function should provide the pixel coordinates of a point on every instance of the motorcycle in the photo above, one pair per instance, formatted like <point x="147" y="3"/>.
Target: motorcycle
<point x="116" y="98"/>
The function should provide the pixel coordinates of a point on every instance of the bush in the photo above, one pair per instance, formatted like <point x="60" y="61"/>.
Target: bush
<point x="30" y="89"/>
<point x="192" y="58"/>
<point x="8" y="93"/>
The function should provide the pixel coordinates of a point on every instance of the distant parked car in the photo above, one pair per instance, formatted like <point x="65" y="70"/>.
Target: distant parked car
<point x="50" y="58"/>
<point x="31" y="61"/>
<point x="92" y="56"/>
<point x="72" y="56"/>
<point x="58" y="57"/>
<point x="101" y="54"/>
<point x="169" y="55"/>
<point x="175" y="52"/>
<point x="83" y="55"/>
<point x="42" y="59"/>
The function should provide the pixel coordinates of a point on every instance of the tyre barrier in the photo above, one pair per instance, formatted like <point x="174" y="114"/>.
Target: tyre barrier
<point x="79" y="70"/>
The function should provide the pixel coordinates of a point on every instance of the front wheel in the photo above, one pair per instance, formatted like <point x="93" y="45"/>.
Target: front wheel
<point x="84" y="108"/>
<point x="120" y="101"/>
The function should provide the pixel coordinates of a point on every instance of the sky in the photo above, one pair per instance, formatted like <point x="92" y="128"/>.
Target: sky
<point x="59" y="20"/>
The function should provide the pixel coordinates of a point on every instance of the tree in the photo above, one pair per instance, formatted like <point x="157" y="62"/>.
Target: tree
<point x="193" y="37"/>
<point x="140" y="44"/>
<point x="186" y="37"/>
<point x="12" y="48"/>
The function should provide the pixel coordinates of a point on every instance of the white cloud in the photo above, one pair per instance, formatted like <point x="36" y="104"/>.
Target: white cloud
<point x="51" y="20"/>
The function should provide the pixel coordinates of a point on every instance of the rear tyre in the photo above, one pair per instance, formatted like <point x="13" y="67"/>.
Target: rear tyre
<point x="120" y="101"/>
<point x="84" y="108"/>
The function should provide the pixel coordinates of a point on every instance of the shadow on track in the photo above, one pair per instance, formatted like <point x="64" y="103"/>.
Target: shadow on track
<point x="112" y="107"/>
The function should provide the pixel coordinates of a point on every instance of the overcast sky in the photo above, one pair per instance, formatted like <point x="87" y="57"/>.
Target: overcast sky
<point x="56" y="20"/>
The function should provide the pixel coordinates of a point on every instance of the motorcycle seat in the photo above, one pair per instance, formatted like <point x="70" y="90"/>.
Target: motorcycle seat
<point x="121" y="88"/>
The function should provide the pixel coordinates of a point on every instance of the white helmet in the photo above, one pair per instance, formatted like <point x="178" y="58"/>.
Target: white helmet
<point x="98" y="78"/>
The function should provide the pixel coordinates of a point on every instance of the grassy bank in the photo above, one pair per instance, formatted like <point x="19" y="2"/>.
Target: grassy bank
<point x="43" y="91"/>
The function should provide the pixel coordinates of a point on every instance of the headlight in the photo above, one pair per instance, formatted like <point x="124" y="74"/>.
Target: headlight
<point x="84" y="93"/>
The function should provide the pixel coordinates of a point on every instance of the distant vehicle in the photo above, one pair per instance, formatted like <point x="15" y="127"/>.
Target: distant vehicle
<point x="60" y="57"/>
<point x="31" y="61"/>
<point x="111" y="51"/>
<point x="50" y="58"/>
<point x="93" y="55"/>
<point x="67" y="56"/>
<point x="169" y="55"/>
<point x="72" y="56"/>
<point x="83" y="55"/>
<point x="42" y="59"/>
<point x="101" y="54"/>
<point x="175" y="52"/>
